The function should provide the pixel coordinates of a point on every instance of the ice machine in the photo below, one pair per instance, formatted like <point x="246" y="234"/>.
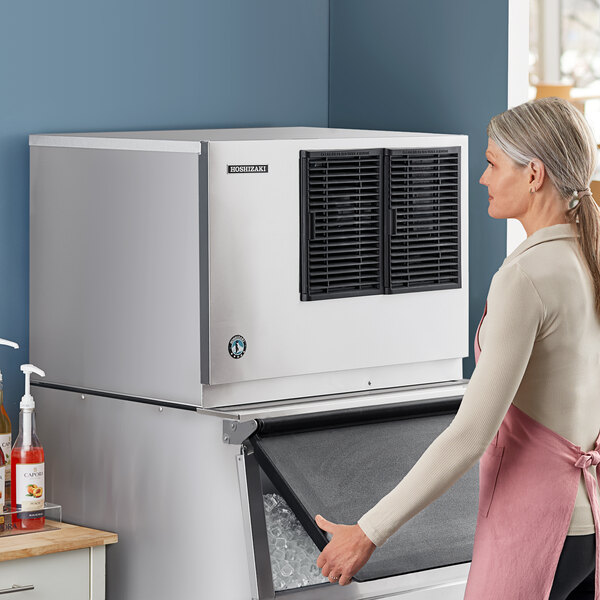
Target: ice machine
<point x="222" y="316"/>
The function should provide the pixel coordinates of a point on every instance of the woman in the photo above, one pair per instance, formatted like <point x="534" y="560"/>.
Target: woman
<point x="531" y="411"/>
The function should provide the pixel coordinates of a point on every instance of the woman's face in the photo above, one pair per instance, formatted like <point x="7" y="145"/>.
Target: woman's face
<point x="507" y="183"/>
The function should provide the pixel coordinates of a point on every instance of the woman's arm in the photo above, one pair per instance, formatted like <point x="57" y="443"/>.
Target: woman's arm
<point x="514" y="317"/>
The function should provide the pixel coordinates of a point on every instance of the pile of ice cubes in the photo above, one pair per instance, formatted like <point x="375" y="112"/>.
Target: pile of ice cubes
<point x="293" y="554"/>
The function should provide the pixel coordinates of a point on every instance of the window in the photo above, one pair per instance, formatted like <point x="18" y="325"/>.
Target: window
<point x="564" y="50"/>
<point x="580" y="42"/>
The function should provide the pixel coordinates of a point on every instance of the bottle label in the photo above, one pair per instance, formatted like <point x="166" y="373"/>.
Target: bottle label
<point x="30" y="489"/>
<point x="2" y="487"/>
<point x="5" y="445"/>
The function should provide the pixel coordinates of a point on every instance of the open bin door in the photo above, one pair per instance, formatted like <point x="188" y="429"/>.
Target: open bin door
<point x="341" y="463"/>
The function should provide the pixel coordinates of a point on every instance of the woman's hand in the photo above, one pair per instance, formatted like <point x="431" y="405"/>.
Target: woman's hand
<point x="346" y="553"/>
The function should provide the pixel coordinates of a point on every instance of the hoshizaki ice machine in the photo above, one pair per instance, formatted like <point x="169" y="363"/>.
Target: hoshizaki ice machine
<point x="242" y="328"/>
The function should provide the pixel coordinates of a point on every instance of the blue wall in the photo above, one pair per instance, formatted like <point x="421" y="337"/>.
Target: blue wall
<point x="78" y="65"/>
<point x="428" y="65"/>
<point x="82" y="65"/>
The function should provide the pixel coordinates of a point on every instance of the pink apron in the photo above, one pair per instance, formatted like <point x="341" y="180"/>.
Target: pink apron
<point x="528" y="480"/>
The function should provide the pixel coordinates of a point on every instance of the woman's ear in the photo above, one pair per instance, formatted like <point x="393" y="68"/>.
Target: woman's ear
<point x="536" y="174"/>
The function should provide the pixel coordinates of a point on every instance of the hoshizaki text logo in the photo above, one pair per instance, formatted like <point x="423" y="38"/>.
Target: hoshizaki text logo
<point x="247" y="168"/>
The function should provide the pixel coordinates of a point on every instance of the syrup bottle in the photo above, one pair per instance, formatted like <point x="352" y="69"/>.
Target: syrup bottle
<point x="5" y="428"/>
<point x="27" y="464"/>
<point x="3" y="472"/>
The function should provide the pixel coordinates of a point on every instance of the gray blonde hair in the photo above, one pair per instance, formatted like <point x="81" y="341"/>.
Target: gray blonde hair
<point x="556" y="133"/>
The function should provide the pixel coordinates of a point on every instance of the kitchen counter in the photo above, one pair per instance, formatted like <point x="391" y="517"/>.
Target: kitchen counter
<point x="66" y="537"/>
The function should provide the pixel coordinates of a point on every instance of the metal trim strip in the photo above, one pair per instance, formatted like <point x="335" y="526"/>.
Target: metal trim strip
<point x="114" y="143"/>
<point x="118" y="396"/>
<point x="338" y="402"/>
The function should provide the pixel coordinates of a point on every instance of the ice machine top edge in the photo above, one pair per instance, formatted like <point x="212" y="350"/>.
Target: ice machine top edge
<point x="188" y="140"/>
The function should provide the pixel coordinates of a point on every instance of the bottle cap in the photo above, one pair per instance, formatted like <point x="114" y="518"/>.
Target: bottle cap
<point x="27" y="399"/>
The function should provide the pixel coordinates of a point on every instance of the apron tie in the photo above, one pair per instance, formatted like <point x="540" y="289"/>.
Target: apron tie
<point x="587" y="459"/>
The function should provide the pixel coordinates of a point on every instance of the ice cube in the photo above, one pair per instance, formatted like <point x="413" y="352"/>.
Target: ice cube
<point x="270" y="502"/>
<point x="278" y="554"/>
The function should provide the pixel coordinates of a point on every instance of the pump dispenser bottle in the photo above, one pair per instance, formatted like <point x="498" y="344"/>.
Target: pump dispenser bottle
<point x="5" y="427"/>
<point x="27" y="464"/>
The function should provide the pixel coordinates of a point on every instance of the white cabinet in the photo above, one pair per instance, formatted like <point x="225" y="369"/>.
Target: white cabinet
<point x="66" y="564"/>
<point x="64" y="575"/>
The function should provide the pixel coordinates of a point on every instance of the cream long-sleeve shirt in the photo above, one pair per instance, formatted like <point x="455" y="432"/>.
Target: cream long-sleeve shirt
<point x="540" y="349"/>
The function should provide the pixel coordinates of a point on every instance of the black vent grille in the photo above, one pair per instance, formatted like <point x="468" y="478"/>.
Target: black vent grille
<point x="341" y="223"/>
<point x="423" y="200"/>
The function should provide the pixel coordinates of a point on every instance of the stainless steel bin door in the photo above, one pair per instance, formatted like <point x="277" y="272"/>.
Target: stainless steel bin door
<point x="339" y="464"/>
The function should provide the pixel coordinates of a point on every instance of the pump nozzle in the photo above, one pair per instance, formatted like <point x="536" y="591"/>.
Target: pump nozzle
<point x="9" y="343"/>
<point x="27" y="399"/>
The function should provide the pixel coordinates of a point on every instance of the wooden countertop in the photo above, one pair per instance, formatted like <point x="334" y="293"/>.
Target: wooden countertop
<point x="66" y="537"/>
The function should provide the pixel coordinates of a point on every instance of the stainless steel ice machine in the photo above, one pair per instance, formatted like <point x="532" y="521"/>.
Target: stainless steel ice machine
<point x="193" y="290"/>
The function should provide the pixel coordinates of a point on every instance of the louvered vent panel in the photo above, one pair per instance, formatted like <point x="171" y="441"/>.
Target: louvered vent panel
<point x="423" y="199"/>
<point x="341" y="223"/>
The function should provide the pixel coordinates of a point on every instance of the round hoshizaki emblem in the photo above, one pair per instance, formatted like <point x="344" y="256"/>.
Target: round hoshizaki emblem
<point x="237" y="346"/>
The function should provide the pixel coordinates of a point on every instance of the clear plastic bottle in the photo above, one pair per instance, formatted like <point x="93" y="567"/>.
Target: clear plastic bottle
<point x="5" y="425"/>
<point x="27" y="465"/>
<point x="5" y="432"/>
<point x="3" y="471"/>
